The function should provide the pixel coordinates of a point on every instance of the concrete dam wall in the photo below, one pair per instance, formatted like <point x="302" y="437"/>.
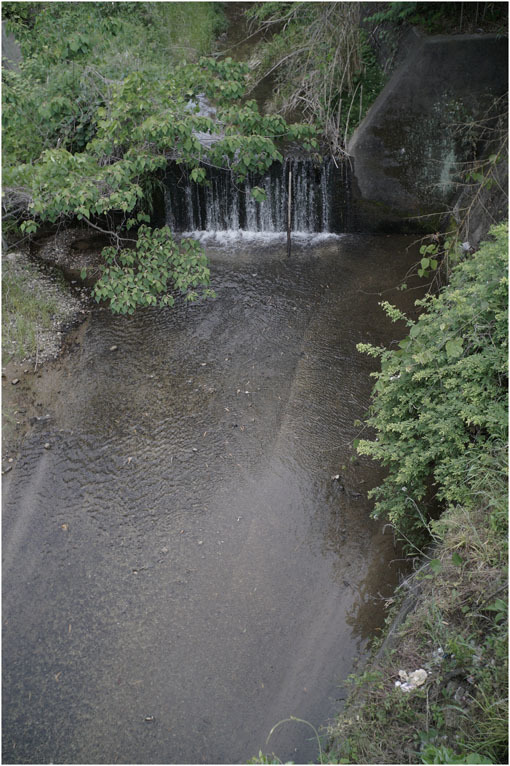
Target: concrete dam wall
<point x="409" y="147"/>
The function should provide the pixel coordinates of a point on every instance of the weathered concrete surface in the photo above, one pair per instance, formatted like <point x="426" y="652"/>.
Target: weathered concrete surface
<point x="477" y="208"/>
<point x="11" y="52"/>
<point x="408" y="148"/>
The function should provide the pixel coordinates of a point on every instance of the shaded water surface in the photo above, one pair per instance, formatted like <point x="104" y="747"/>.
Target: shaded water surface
<point x="180" y="570"/>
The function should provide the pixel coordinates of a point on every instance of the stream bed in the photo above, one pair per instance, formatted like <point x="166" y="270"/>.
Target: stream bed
<point x="181" y="571"/>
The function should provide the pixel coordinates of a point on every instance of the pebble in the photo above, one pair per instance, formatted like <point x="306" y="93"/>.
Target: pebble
<point x="113" y="348"/>
<point x="15" y="381"/>
<point x="47" y="445"/>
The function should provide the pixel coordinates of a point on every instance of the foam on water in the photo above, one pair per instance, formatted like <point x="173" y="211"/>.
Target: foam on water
<point x="240" y="236"/>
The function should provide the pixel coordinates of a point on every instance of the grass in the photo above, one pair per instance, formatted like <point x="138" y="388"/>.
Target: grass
<point x="189" y="28"/>
<point x="458" y="634"/>
<point x="28" y="309"/>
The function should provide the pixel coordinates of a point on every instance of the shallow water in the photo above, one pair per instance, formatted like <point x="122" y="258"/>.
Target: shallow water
<point x="180" y="571"/>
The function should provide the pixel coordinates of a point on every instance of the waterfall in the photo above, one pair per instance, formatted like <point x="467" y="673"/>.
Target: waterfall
<point x="319" y="199"/>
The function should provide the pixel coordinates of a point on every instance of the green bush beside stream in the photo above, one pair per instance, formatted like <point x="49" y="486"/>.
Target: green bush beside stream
<point x="440" y="415"/>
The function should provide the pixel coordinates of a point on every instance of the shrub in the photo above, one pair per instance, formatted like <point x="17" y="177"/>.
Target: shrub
<point x="439" y="403"/>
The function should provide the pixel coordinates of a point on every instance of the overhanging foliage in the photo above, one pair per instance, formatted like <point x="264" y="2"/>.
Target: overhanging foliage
<point x="106" y="126"/>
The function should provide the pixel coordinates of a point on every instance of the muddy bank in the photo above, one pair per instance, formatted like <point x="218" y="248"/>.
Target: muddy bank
<point x="31" y="399"/>
<point x="46" y="274"/>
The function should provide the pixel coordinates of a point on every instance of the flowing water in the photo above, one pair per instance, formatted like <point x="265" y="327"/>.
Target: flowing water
<point x="320" y="199"/>
<point x="181" y="572"/>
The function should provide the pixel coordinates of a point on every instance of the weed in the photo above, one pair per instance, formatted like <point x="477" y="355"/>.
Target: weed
<point x="458" y="634"/>
<point x="30" y="308"/>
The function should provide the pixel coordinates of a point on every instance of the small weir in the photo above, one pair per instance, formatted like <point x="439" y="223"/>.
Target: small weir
<point x="320" y="200"/>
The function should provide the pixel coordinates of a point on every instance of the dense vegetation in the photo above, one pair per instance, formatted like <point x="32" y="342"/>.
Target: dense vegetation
<point x="440" y="411"/>
<point x="439" y="406"/>
<point x="323" y="66"/>
<point x="96" y="112"/>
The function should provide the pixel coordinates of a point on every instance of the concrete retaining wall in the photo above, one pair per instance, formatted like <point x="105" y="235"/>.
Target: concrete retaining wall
<point x="11" y="52"/>
<point x="408" y="148"/>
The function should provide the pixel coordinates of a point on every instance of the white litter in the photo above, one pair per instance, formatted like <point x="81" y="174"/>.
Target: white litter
<point x="410" y="681"/>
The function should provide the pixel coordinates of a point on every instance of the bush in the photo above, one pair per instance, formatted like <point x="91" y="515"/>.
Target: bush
<point x="439" y="403"/>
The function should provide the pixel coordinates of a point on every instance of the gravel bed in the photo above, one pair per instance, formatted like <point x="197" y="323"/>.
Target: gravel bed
<point x="46" y="284"/>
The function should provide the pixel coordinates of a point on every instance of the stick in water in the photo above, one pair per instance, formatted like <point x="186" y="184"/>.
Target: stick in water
<point x="289" y="212"/>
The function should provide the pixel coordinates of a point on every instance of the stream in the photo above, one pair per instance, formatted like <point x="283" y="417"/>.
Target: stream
<point x="181" y="571"/>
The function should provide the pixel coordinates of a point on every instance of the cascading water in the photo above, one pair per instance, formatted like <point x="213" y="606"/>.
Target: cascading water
<point x="319" y="200"/>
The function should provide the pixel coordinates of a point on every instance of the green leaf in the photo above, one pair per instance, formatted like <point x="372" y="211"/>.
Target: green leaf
<point x="456" y="559"/>
<point x="258" y="194"/>
<point x="435" y="565"/>
<point x="497" y="606"/>
<point x="454" y="348"/>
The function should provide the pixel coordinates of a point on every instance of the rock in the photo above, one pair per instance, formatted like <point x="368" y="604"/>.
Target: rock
<point x="113" y="348"/>
<point x="47" y="445"/>
<point x="15" y="381"/>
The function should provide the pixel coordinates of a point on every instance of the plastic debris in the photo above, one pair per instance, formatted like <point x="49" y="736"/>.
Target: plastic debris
<point x="411" y="681"/>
